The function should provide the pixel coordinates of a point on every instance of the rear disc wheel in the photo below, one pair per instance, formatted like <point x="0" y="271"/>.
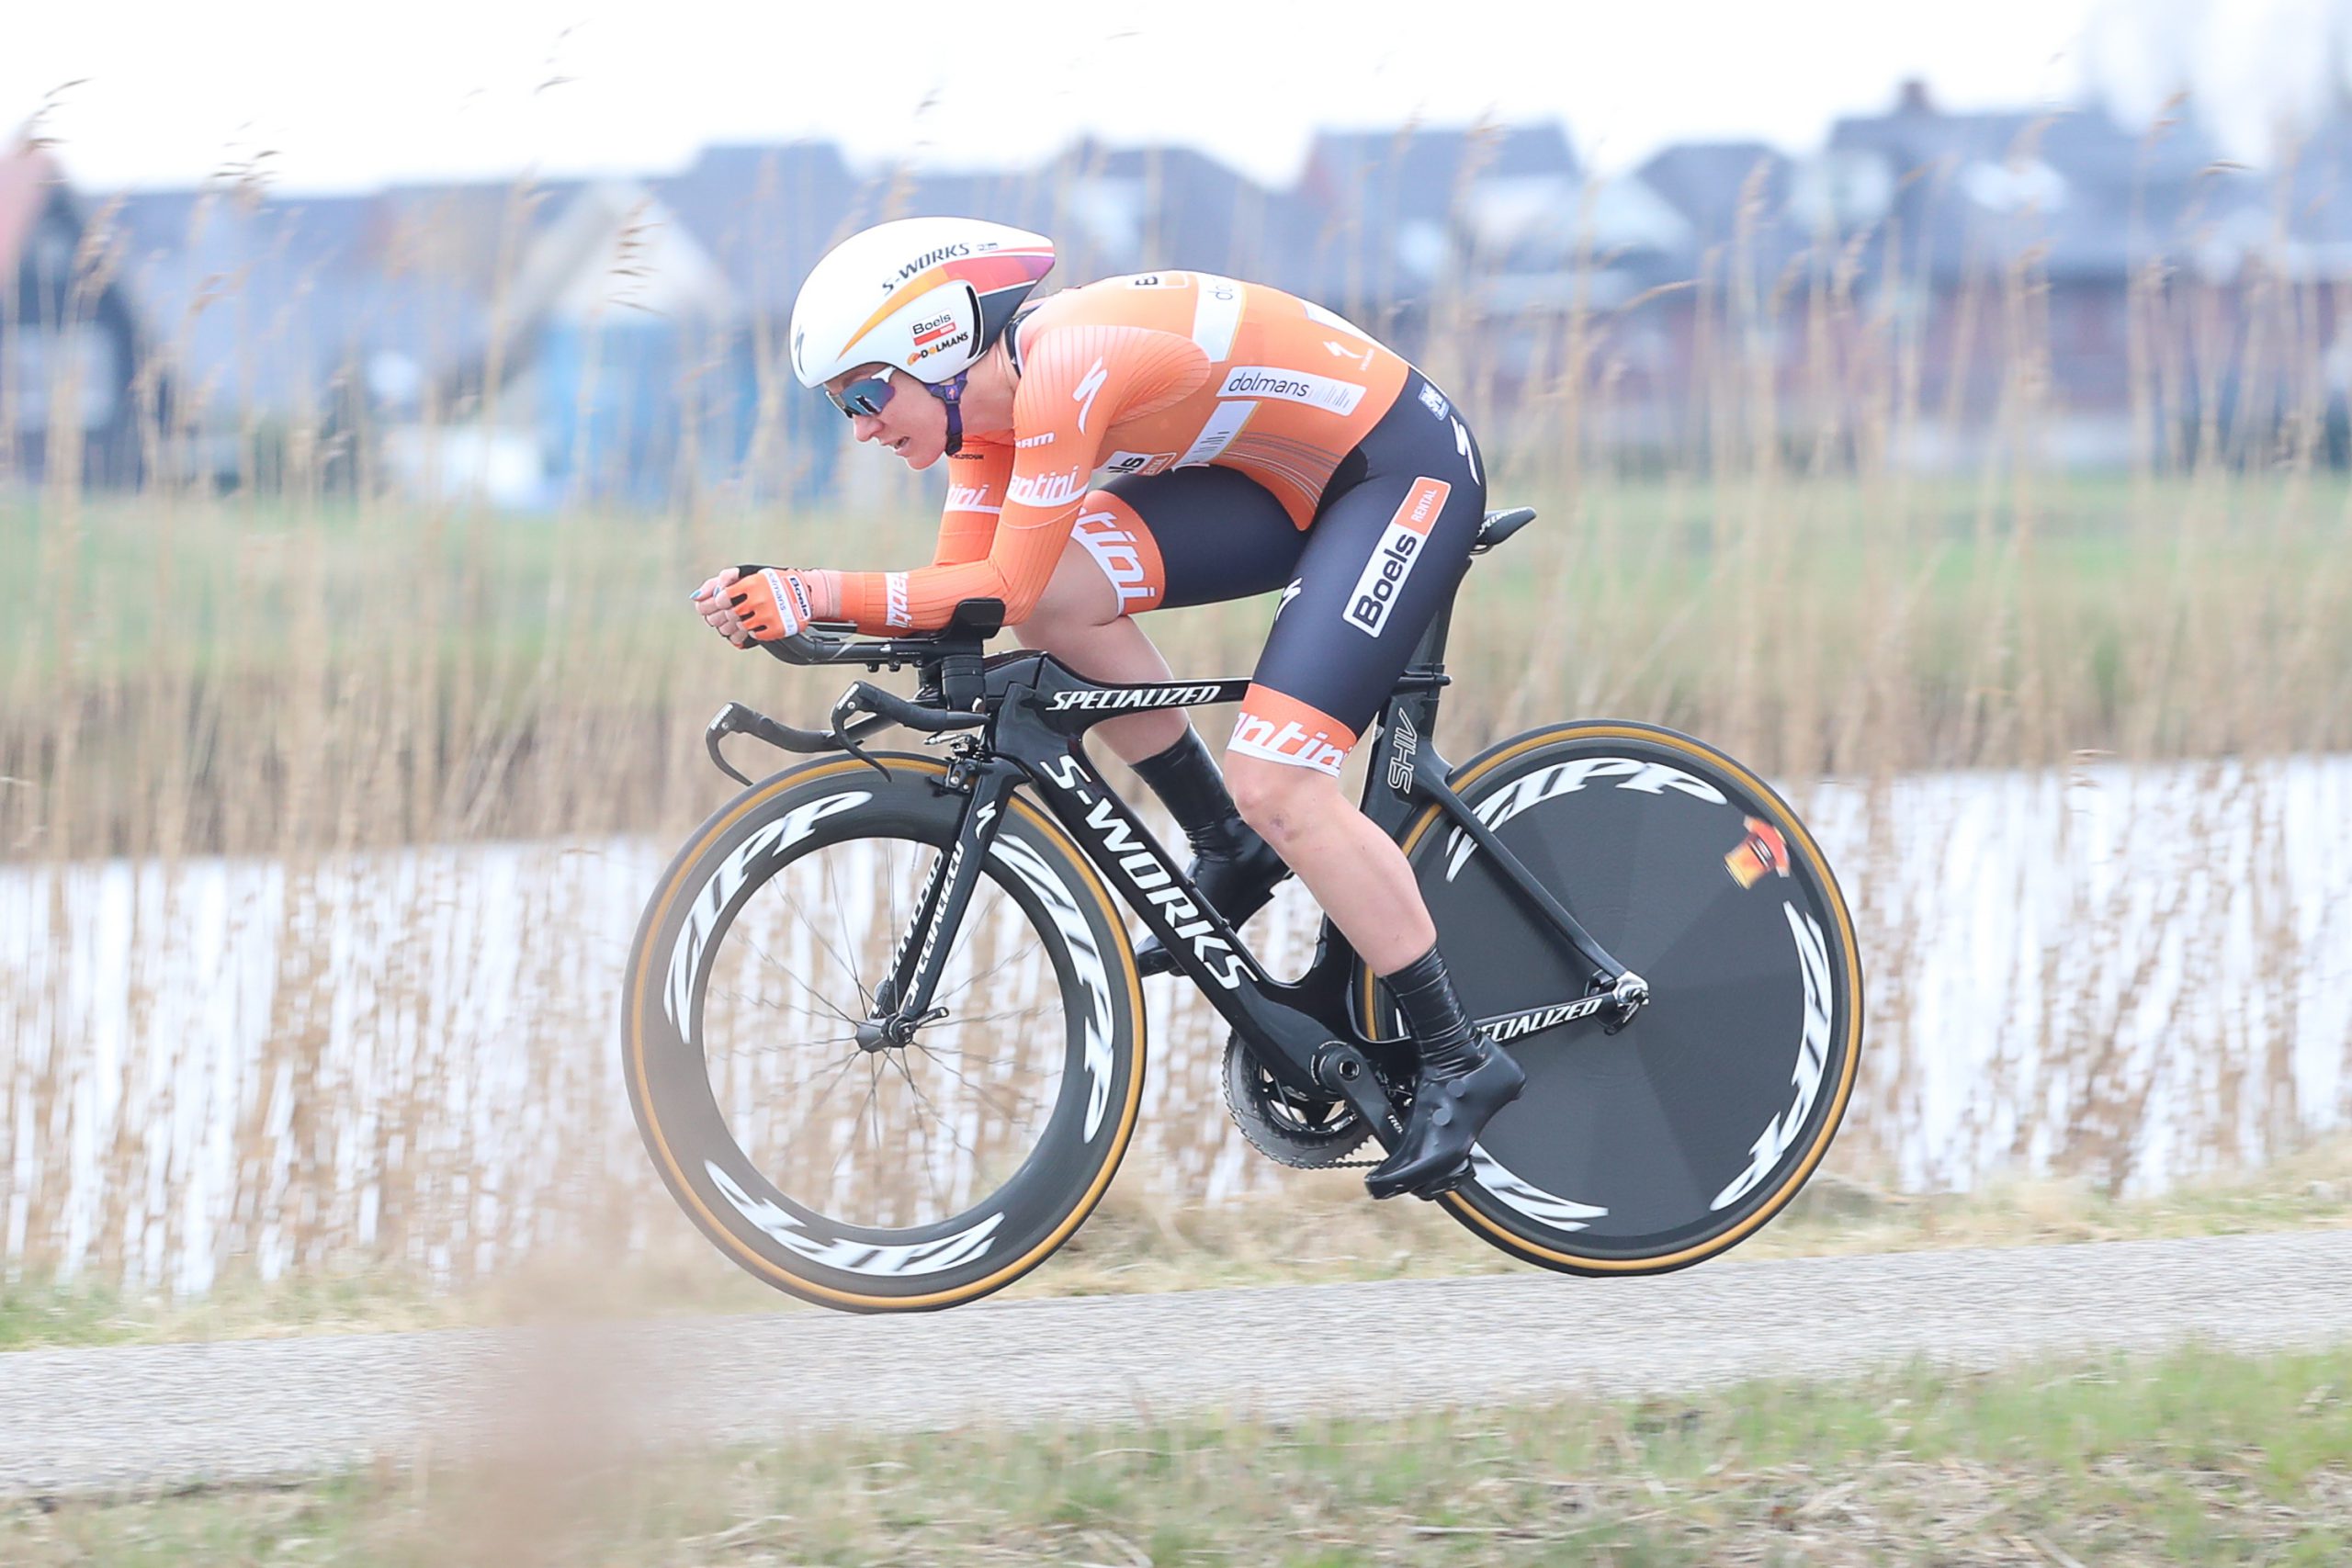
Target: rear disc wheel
<point x="1670" y="1141"/>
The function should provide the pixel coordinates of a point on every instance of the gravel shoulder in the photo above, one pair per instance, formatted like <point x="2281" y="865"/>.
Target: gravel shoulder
<point x="151" y="1417"/>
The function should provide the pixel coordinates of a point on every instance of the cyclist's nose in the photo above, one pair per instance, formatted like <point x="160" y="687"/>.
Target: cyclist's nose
<point x="865" y="426"/>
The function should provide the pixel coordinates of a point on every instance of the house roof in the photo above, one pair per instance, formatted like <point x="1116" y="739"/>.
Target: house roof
<point x="1391" y="213"/>
<point x="1116" y="209"/>
<point x="266" y="300"/>
<point x="2314" y="193"/>
<point x="1172" y="206"/>
<point x="766" y="213"/>
<point x="1505" y="212"/>
<point x="1417" y="172"/>
<point x="2093" y="197"/>
<point x="1707" y="183"/>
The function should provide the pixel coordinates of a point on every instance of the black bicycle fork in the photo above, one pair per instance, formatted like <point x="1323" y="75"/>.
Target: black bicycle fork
<point x="901" y="1003"/>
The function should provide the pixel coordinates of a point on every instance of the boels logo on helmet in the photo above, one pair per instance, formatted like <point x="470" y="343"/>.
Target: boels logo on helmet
<point x="937" y="336"/>
<point x="924" y="261"/>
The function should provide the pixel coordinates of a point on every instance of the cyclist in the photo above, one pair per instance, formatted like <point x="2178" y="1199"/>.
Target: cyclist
<point x="1252" y="441"/>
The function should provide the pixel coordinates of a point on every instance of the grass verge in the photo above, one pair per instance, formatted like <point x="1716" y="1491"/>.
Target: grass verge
<point x="1324" y="1231"/>
<point x="2191" y="1458"/>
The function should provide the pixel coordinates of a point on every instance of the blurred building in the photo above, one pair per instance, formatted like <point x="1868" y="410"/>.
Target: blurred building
<point x="1922" y="284"/>
<point x="72" y="347"/>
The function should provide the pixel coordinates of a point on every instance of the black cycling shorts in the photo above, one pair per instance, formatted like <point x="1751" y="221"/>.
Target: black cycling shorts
<point x="1389" y="542"/>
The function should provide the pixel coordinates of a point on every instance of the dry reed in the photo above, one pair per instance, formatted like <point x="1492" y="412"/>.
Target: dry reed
<point x="262" y="1013"/>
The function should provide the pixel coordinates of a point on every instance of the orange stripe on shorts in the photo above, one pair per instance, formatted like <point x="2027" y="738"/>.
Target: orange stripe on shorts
<point x="1284" y="729"/>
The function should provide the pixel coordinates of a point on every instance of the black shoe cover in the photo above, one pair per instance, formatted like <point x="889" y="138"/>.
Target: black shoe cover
<point x="1237" y="886"/>
<point x="1449" y="1111"/>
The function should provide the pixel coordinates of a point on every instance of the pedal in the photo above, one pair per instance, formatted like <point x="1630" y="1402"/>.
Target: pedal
<point x="1437" y="1186"/>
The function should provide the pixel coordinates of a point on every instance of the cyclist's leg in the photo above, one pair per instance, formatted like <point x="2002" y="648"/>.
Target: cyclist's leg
<point x="1146" y="542"/>
<point x="1386" y="551"/>
<point x="1081" y="621"/>
<point x="1192" y="537"/>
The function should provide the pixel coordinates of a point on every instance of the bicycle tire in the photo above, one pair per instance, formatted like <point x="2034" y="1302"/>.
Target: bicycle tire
<point x="765" y="1207"/>
<point x="1677" y="1138"/>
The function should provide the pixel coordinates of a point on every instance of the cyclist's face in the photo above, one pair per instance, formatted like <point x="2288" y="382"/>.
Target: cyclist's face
<point x="911" y="424"/>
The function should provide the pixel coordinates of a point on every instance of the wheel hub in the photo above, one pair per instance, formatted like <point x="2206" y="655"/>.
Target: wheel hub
<point x="884" y="1032"/>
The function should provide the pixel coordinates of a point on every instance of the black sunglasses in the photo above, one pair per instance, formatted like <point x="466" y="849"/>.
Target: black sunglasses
<point x="867" y="396"/>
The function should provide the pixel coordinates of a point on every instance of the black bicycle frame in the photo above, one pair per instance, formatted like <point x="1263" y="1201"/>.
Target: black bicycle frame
<point x="1030" y="713"/>
<point x="1304" y="1032"/>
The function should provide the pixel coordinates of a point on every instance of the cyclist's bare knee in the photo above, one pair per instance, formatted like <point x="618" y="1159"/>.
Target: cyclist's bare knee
<point x="1280" y="799"/>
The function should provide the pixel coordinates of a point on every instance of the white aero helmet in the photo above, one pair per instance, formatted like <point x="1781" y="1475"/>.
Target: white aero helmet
<point x="922" y="295"/>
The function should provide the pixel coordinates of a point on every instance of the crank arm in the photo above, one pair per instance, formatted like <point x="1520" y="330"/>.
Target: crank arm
<point x="1345" y="1071"/>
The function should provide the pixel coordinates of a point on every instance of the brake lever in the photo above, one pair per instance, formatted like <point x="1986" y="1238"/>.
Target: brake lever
<point x="850" y="702"/>
<point x="736" y="719"/>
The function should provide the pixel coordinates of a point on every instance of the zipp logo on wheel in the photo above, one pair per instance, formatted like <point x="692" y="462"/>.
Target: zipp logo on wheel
<point x="1393" y="561"/>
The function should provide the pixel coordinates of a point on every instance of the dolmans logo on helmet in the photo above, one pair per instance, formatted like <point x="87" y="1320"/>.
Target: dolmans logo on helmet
<point x="941" y="345"/>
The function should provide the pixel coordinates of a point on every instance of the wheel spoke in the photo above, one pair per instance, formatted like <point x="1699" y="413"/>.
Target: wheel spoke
<point x="834" y="1082"/>
<point x="1035" y="945"/>
<point x="831" y="1015"/>
<point x="820" y="998"/>
<point x="898" y="1059"/>
<point x="841" y="914"/>
<point x="977" y="1088"/>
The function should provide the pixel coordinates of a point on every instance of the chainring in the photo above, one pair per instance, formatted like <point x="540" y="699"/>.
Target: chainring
<point x="1304" y="1131"/>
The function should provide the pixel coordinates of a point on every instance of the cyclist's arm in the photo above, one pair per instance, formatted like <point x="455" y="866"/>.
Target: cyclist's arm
<point x="975" y="481"/>
<point x="1077" y="382"/>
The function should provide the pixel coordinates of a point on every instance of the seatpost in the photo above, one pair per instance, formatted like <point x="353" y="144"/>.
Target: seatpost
<point x="1430" y="651"/>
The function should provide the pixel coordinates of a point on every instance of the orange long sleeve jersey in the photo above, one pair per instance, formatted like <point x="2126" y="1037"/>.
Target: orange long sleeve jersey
<point x="1137" y="376"/>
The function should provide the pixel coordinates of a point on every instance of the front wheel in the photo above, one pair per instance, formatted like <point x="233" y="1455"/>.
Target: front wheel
<point x="1670" y="1141"/>
<point x="866" y="1176"/>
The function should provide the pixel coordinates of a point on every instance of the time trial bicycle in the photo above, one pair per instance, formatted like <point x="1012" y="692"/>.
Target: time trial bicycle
<point x="884" y="1026"/>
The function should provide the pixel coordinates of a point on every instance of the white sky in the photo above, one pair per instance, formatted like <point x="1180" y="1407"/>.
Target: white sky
<point x="350" y="96"/>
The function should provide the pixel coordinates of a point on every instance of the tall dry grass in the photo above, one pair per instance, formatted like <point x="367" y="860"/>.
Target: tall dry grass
<point x="295" y="682"/>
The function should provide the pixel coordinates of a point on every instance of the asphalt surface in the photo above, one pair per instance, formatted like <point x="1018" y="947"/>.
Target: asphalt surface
<point x="153" y="1418"/>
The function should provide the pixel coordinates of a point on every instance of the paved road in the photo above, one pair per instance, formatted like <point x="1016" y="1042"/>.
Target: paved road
<point x="144" y="1418"/>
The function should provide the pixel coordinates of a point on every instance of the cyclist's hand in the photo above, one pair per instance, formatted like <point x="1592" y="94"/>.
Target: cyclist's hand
<point x="717" y="607"/>
<point x="771" y="602"/>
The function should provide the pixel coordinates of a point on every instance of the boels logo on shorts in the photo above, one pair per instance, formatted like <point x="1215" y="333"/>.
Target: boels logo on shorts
<point x="1400" y="549"/>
